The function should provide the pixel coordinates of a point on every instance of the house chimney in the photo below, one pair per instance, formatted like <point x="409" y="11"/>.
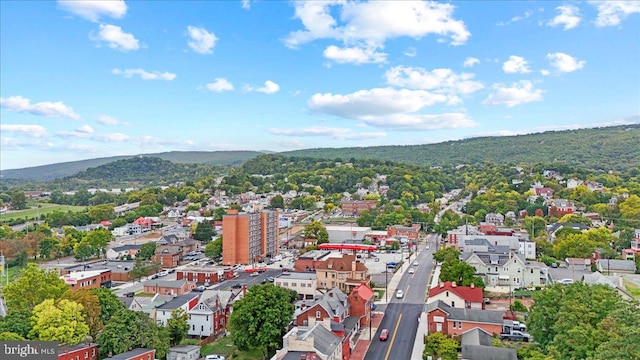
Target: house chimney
<point x="453" y="284"/>
<point x="441" y="284"/>
<point x="472" y="285"/>
<point x="353" y="266"/>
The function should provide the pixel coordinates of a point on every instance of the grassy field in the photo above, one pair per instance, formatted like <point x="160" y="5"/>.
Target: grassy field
<point x="225" y="347"/>
<point x="37" y="209"/>
<point x="13" y="272"/>
<point x="632" y="288"/>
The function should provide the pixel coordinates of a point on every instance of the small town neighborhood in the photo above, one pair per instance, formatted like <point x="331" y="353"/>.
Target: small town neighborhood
<point x="349" y="280"/>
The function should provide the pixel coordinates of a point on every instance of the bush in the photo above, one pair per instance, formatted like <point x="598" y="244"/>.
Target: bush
<point x="517" y="305"/>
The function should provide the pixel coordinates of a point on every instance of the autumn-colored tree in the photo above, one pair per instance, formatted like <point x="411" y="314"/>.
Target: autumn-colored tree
<point x="90" y="308"/>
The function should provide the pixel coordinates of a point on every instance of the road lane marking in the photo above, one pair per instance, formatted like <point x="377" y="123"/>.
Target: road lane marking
<point x="393" y="337"/>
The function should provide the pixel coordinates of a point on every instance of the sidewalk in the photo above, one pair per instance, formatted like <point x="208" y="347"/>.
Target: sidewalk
<point x="418" y="345"/>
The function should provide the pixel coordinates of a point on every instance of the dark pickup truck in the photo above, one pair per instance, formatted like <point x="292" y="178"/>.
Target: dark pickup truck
<point x="516" y="336"/>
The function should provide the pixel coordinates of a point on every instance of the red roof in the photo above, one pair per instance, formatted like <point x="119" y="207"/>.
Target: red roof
<point x="470" y="294"/>
<point x="364" y="291"/>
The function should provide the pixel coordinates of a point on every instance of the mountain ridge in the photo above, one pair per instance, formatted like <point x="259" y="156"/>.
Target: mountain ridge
<point x="602" y="148"/>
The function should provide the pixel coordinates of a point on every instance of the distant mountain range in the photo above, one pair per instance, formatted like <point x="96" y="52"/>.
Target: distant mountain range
<point x="60" y="170"/>
<point x="616" y="147"/>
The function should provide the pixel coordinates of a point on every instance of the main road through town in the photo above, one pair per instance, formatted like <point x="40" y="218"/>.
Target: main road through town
<point x="402" y="314"/>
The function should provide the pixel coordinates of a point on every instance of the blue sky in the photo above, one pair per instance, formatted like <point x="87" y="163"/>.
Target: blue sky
<point x="87" y="79"/>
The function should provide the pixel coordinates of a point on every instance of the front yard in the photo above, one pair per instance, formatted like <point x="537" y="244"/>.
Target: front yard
<point x="225" y="347"/>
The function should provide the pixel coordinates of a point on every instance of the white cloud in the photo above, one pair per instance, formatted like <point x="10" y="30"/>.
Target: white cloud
<point x="269" y="88"/>
<point x="246" y="4"/>
<point x="439" y="80"/>
<point x="368" y="25"/>
<point x="145" y="75"/>
<point x="470" y="61"/>
<point x="46" y="108"/>
<point x="411" y="52"/>
<point x="85" y="129"/>
<point x="569" y="17"/>
<point x="517" y="18"/>
<point x="336" y="133"/>
<point x="108" y="120"/>
<point x="545" y="72"/>
<point x="92" y="10"/>
<point x="389" y="108"/>
<point x="355" y="55"/>
<point x="201" y="41"/>
<point x="564" y="62"/>
<point x="611" y="13"/>
<point x="516" y="64"/>
<point x="115" y="38"/>
<point x="35" y="131"/>
<point x="518" y="93"/>
<point x="220" y="85"/>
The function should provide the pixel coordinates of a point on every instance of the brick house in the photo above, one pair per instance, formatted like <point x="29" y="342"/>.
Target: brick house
<point x="78" y="352"/>
<point x="189" y="245"/>
<point x="411" y="232"/>
<point x="168" y="287"/>
<point x="309" y="260"/>
<point x="204" y="274"/>
<point x="168" y="256"/>
<point x="88" y="279"/>
<point x="332" y="312"/>
<point x="360" y="302"/>
<point x="136" y="354"/>
<point x="455" y="321"/>
<point x="344" y="273"/>
<point x="356" y="207"/>
<point x="310" y="343"/>
<point x="463" y="297"/>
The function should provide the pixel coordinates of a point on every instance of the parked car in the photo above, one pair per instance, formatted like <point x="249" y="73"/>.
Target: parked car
<point x="519" y="326"/>
<point x="487" y="301"/>
<point x="399" y="294"/>
<point x="516" y="336"/>
<point x="163" y="273"/>
<point x="214" y="357"/>
<point x="384" y="335"/>
<point x="236" y="286"/>
<point x="199" y="288"/>
<point x="270" y="279"/>
<point x="565" y="281"/>
<point x="254" y="274"/>
<point x="128" y="294"/>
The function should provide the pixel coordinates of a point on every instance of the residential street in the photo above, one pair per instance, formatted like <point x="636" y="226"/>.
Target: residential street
<point x="401" y="315"/>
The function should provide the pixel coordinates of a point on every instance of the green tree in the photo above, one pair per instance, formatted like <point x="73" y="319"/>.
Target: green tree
<point x="177" y="326"/>
<point x="534" y="225"/>
<point x="33" y="286"/>
<point x="517" y="305"/>
<point x="315" y="230"/>
<point x="62" y="322"/>
<point x="18" y="200"/>
<point x="460" y="272"/>
<point x="574" y="245"/>
<point x="204" y="231"/>
<point x="277" y="202"/>
<point x="260" y="319"/>
<point x="146" y="251"/>
<point x="9" y="336"/>
<point x="101" y="212"/>
<point x="630" y="208"/>
<point x="128" y="330"/>
<point x="109" y="303"/>
<point x="439" y="345"/>
<point x="47" y="246"/>
<point x="446" y="253"/>
<point x="17" y="322"/>
<point x="213" y="250"/>
<point x="98" y="240"/>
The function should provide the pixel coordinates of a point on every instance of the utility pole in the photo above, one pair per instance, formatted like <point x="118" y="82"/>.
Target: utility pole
<point x="386" y="282"/>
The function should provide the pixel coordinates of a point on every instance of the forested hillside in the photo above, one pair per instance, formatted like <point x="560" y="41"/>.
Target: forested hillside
<point x="134" y="172"/>
<point x="53" y="171"/>
<point x="596" y="149"/>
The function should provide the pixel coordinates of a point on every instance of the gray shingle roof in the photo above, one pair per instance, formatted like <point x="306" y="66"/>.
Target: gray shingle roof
<point x="479" y="352"/>
<point x="324" y="341"/>
<point x="617" y="265"/>
<point x="177" y="301"/>
<point x="174" y="284"/>
<point x="474" y="315"/>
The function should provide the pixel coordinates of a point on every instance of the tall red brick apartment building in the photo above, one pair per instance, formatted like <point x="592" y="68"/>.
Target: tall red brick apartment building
<point x="249" y="237"/>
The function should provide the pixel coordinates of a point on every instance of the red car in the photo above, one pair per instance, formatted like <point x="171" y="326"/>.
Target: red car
<point x="384" y="334"/>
